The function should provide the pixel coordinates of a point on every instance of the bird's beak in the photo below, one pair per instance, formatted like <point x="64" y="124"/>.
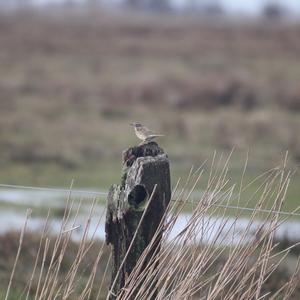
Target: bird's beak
<point x="132" y="124"/>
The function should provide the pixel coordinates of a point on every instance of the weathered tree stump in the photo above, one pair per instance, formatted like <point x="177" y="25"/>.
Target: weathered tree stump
<point x="146" y="169"/>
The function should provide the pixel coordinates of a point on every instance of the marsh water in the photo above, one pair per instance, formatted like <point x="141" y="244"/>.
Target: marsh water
<point x="14" y="203"/>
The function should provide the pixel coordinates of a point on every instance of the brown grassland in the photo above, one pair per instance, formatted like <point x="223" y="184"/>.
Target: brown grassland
<point x="71" y="83"/>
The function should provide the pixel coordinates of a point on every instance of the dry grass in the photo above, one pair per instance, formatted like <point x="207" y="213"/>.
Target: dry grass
<point x="247" y="266"/>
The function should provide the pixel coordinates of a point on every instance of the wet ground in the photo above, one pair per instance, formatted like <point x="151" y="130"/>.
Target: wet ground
<point x="14" y="203"/>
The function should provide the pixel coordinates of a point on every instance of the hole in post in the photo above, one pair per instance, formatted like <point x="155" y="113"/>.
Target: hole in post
<point x="137" y="196"/>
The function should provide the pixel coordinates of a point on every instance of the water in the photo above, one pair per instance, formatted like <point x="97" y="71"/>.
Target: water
<point x="12" y="217"/>
<point x="32" y="198"/>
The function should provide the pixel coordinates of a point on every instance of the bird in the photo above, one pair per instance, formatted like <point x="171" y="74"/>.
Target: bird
<point x="143" y="133"/>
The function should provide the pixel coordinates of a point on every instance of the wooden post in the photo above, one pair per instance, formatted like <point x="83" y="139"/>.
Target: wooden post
<point x="146" y="168"/>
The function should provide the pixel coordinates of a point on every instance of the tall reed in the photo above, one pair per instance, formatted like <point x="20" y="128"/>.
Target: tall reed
<point x="210" y="257"/>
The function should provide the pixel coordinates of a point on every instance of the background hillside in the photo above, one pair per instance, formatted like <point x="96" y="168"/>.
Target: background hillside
<point x="72" y="81"/>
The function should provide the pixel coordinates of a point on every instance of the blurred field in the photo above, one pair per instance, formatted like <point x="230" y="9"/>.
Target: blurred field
<point x="71" y="83"/>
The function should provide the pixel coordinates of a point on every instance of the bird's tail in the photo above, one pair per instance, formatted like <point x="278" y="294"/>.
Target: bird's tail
<point x="153" y="136"/>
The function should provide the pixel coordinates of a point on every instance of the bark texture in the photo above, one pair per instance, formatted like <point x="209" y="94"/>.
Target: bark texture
<point x="144" y="167"/>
